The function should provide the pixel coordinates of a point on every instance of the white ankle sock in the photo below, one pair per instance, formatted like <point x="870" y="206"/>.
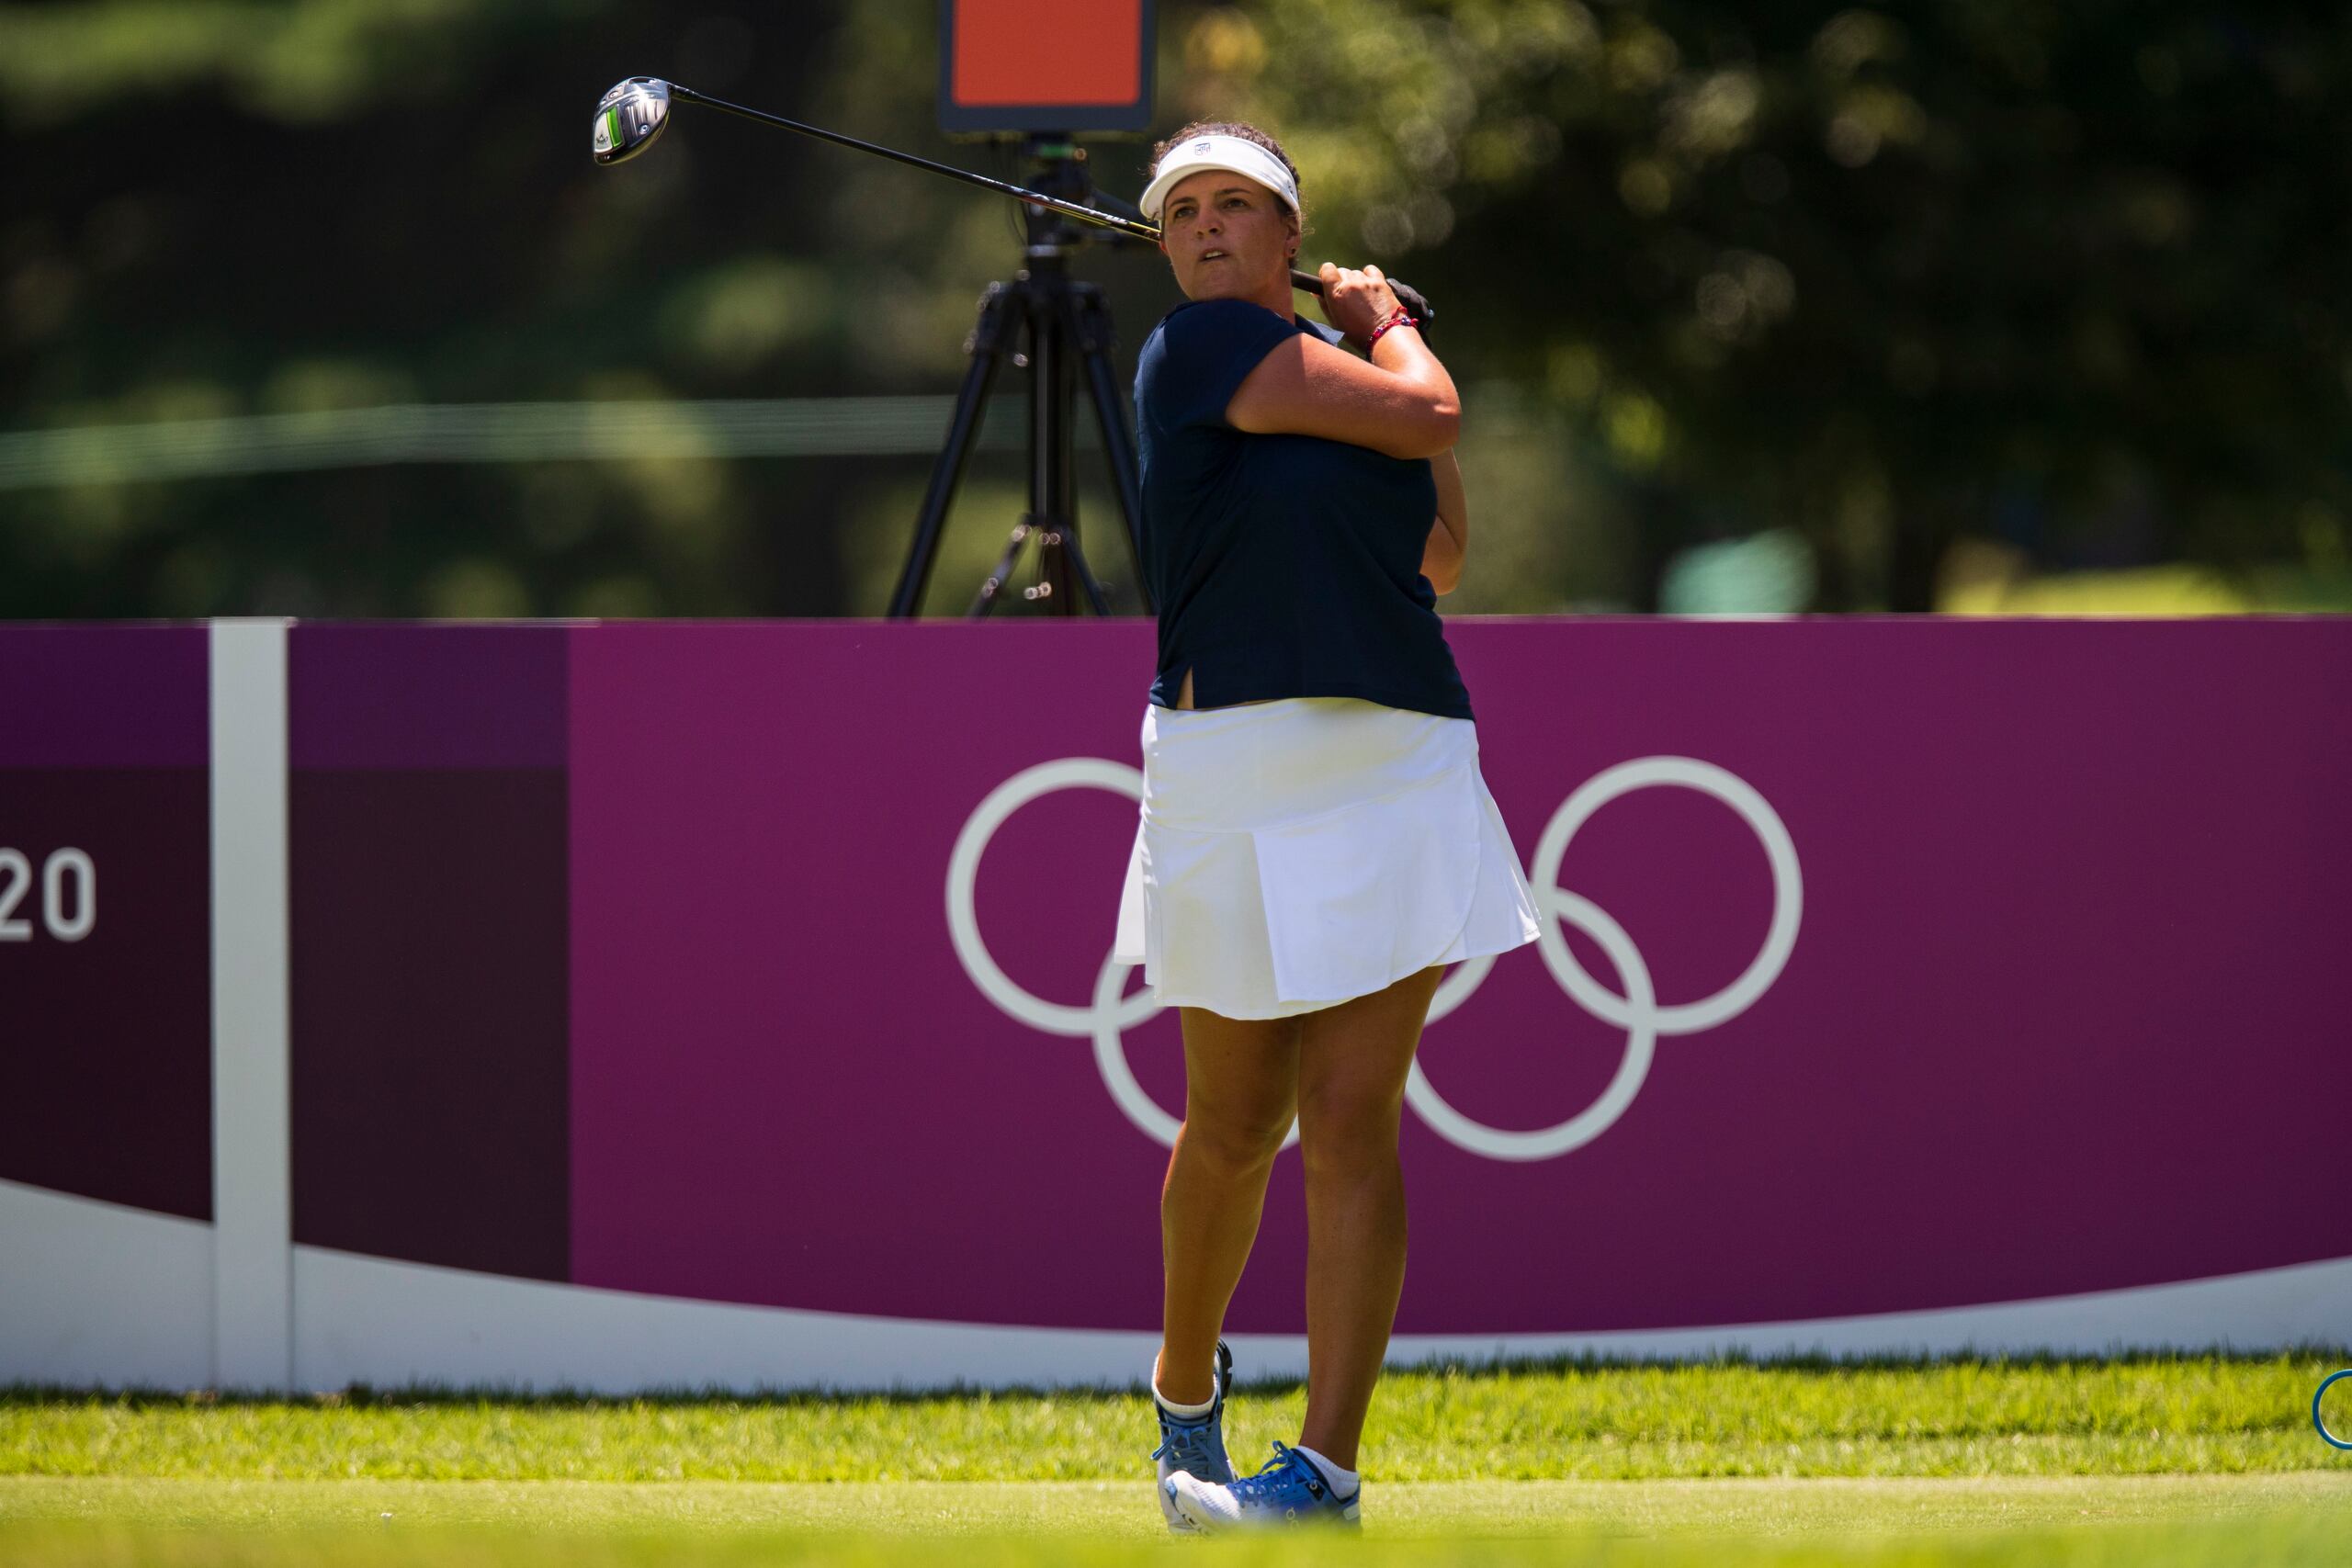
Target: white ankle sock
<point x="1183" y="1411"/>
<point x="1344" y="1482"/>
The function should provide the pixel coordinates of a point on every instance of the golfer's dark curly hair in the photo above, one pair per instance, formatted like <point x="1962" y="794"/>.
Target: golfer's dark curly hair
<point x="1246" y="133"/>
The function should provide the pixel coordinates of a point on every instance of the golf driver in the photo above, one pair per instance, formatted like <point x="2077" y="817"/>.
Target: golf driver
<point x="632" y="116"/>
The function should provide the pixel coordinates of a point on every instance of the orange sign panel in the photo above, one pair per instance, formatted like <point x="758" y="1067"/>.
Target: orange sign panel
<point x="1014" y="52"/>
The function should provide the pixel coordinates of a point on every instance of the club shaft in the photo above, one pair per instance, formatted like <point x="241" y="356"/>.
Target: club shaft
<point x="1141" y="231"/>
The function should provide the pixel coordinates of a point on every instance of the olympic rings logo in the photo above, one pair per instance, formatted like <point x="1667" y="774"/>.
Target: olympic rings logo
<point x="2319" y="1421"/>
<point x="1635" y="1008"/>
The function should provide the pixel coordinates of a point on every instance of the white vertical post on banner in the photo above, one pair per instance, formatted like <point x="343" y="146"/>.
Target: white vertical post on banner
<point x="253" y="1300"/>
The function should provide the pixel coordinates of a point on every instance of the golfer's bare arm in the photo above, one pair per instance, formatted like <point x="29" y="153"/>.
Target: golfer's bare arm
<point x="1399" y="401"/>
<point x="1450" y="535"/>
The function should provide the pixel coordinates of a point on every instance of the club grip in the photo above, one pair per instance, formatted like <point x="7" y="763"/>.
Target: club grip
<point x="1420" y="310"/>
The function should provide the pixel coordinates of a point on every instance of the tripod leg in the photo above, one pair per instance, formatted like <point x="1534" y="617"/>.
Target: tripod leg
<point x="1051" y="498"/>
<point x="986" y="600"/>
<point x="1063" y="538"/>
<point x="1095" y="336"/>
<point x="989" y="341"/>
<point x="1053" y="492"/>
<point x="1054" y="540"/>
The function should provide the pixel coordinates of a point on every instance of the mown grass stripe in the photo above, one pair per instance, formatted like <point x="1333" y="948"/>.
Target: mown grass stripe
<point x="1568" y="1421"/>
<point x="2198" y="1522"/>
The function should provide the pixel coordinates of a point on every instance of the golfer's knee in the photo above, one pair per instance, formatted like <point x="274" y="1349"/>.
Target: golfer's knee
<point x="1347" y="1135"/>
<point x="1230" y="1140"/>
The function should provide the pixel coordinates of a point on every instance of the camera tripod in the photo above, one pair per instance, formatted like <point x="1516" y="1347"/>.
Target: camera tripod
<point x="1067" y="328"/>
<point x="1060" y="314"/>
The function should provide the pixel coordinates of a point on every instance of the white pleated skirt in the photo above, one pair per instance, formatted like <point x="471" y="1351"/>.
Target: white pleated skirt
<point x="1294" y="855"/>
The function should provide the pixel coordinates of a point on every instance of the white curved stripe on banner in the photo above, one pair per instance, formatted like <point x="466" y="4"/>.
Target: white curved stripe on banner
<point x="95" y="1294"/>
<point x="98" y="1293"/>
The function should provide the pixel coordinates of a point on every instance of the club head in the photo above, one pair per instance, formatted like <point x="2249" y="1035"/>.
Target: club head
<point x="629" y="117"/>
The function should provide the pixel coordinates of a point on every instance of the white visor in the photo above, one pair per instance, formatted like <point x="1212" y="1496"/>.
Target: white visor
<point x="1229" y="152"/>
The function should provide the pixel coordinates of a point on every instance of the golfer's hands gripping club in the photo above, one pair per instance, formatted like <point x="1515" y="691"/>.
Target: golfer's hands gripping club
<point x="1422" y="311"/>
<point x="1358" y="301"/>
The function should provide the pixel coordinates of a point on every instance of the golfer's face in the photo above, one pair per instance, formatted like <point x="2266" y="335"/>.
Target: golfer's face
<point x="1225" y="235"/>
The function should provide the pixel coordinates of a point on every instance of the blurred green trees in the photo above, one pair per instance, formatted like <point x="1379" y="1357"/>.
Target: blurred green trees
<point x="1910" y="295"/>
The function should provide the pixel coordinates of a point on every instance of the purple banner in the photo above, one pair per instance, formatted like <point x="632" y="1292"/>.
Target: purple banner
<point x="429" y="908"/>
<point x="106" y="983"/>
<point x="391" y="696"/>
<point x="103" y="697"/>
<point x="1893" y="965"/>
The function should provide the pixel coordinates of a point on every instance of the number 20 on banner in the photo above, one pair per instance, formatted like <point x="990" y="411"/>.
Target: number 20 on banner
<point x="69" y="895"/>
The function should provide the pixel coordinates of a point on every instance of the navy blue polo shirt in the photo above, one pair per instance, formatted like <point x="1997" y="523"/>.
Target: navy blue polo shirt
<point x="1283" y="566"/>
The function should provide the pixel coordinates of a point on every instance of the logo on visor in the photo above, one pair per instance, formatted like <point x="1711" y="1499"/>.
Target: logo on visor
<point x="1635" y="1008"/>
<point x="1202" y="146"/>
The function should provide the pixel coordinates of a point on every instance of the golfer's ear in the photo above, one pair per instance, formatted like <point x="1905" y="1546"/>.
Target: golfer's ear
<point x="1306" y="387"/>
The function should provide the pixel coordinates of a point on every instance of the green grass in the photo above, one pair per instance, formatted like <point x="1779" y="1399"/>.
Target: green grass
<point x="2207" y="1461"/>
<point x="2188" y="1415"/>
<point x="2202" y="1522"/>
<point x="710" y="1512"/>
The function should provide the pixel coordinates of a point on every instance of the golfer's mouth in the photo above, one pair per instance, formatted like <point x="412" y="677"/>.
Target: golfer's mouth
<point x="1212" y="255"/>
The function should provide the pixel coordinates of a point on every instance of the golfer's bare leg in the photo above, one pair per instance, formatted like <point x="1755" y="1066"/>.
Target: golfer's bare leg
<point x="1352" y="1062"/>
<point x="1240" y="1084"/>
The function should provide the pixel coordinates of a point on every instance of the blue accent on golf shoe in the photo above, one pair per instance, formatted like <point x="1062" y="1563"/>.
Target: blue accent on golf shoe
<point x="1288" y="1491"/>
<point x="1194" y="1447"/>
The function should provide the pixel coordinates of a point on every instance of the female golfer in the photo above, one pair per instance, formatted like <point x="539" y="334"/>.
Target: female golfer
<point x="1317" y="842"/>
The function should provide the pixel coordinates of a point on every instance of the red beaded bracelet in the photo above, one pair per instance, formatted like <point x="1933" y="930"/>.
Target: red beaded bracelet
<point x="1403" y="318"/>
